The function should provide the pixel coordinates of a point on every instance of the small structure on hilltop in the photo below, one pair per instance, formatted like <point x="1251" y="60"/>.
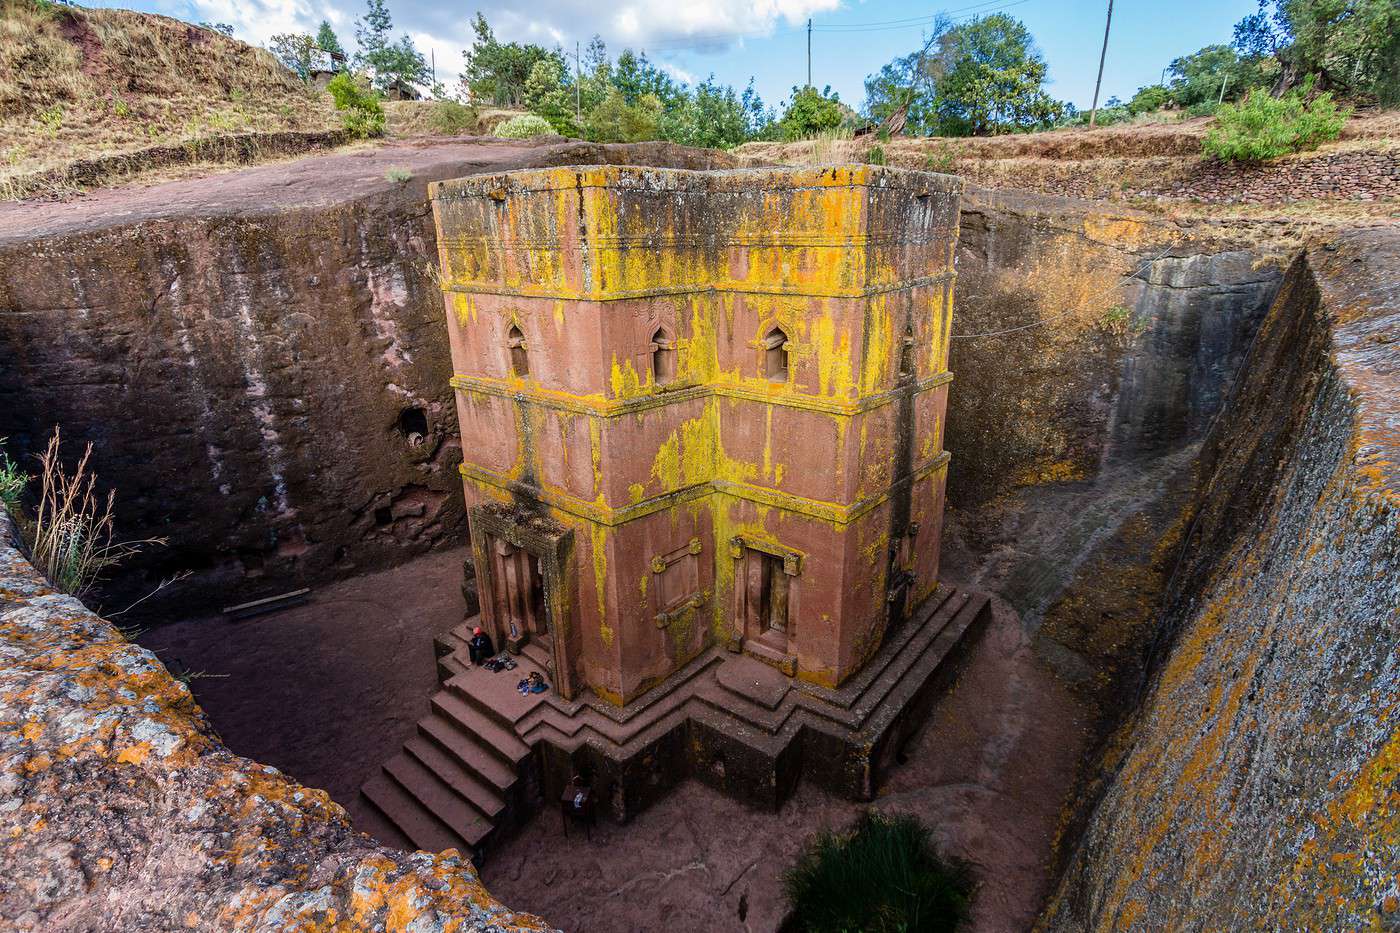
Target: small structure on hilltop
<point x="702" y="416"/>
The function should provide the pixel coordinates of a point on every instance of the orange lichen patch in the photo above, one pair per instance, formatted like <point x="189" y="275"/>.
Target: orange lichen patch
<point x="1120" y="232"/>
<point x="1058" y="471"/>
<point x="134" y="754"/>
<point x="92" y="709"/>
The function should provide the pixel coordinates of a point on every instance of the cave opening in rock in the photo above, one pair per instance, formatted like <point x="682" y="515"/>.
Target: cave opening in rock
<point x="413" y="424"/>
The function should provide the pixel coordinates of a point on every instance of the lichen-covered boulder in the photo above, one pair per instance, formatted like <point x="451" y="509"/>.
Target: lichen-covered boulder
<point x="120" y="809"/>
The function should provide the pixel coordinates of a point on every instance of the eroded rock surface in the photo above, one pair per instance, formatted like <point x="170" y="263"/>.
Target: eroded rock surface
<point x="1257" y="785"/>
<point x="259" y="358"/>
<point x="120" y="809"/>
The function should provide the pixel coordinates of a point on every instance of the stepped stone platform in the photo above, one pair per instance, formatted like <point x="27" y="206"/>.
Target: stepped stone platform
<point x="486" y="756"/>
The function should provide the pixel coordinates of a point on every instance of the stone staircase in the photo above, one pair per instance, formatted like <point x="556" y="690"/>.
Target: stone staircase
<point x="473" y="769"/>
<point x="460" y="778"/>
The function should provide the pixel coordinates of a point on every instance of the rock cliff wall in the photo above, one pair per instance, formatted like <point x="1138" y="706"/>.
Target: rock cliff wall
<point x="120" y="809"/>
<point x="260" y="359"/>
<point x="1257" y="784"/>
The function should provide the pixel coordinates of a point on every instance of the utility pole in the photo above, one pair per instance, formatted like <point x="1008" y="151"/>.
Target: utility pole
<point x="1094" y="113"/>
<point x="578" y="78"/>
<point x="809" y="51"/>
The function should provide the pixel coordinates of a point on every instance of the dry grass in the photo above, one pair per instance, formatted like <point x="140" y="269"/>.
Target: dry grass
<point x="418" y="118"/>
<point x="80" y="84"/>
<point x="1141" y="140"/>
<point x="72" y="535"/>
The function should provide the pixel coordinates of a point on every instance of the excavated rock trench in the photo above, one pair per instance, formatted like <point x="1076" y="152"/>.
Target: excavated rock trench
<point x="259" y="361"/>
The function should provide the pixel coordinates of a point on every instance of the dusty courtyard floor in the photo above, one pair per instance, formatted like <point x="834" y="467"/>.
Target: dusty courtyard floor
<point x="329" y="690"/>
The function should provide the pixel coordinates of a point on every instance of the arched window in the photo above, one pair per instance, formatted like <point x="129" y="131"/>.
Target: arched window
<point x="663" y="357"/>
<point x="775" y="355"/>
<point x="519" y="360"/>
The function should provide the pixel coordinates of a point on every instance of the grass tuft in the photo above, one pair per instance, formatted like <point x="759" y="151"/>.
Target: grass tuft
<point x="71" y="536"/>
<point x="882" y="877"/>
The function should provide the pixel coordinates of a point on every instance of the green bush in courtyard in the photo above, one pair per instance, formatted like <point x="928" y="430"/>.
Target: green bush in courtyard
<point x="883" y="877"/>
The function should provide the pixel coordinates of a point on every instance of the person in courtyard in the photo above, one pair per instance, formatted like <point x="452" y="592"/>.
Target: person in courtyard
<point x="479" y="646"/>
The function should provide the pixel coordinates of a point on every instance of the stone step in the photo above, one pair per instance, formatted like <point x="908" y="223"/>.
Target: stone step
<point x="495" y="737"/>
<point x="468" y="751"/>
<point x="439" y="799"/>
<point x="448" y="666"/>
<point x="399" y="807"/>
<point x="481" y="795"/>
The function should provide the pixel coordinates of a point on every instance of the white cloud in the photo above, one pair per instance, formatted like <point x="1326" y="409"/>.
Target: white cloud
<point x="658" y="26"/>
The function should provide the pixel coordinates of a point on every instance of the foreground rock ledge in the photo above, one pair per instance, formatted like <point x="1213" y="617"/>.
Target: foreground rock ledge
<point x="120" y="809"/>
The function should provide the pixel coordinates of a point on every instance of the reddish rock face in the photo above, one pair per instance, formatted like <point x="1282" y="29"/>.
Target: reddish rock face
<point x="700" y="407"/>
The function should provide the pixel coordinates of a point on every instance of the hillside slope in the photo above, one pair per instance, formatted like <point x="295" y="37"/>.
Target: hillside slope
<point x="82" y="84"/>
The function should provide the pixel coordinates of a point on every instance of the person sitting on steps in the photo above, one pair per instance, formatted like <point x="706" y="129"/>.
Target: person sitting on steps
<point x="479" y="647"/>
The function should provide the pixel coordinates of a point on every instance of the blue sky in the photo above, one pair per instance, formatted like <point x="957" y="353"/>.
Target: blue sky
<point x="767" y="39"/>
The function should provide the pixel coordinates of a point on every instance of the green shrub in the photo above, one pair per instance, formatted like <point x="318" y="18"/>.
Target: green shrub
<point x="1150" y="98"/>
<point x="524" y="126"/>
<point x="449" y="118"/>
<point x="12" y="480"/>
<point x="397" y="175"/>
<point x="881" y="878"/>
<point x="360" y="110"/>
<point x="1263" y="127"/>
<point x="875" y="155"/>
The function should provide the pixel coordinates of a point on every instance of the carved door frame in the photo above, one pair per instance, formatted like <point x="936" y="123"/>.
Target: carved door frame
<point x="551" y="544"/>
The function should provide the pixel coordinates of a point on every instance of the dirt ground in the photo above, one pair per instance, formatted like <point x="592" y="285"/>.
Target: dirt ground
<point x="329" y="690"/>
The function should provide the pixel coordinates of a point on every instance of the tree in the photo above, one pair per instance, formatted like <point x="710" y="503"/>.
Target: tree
<point x="614" y="120"/>
<point x="495" y="72"/>
<point x="714" y="116"/>
<point x="547" y="93"/>
<point x="810" y="112"/>
<point x="293" y="49"/>
<point x="388" y="62"/>
<point x="1352" y="46"/>
<point x="326" y="39"/>
<point x="993" y="79"/>
<point x="910" y="82"/>
<point x="372" y="31"/>
<point x="1150" y="98"/>
<point x="1199" y="77"/>
<point x="636" y="77"/>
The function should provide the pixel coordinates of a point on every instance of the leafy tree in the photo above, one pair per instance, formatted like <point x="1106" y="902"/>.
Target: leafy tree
<point x="547" y="93"/>
<point x="1150" y="98"/>
<point x="810" y="112"/>
<point x="1199" y="77"/>
<point x="614" y="120"/>
<point x="223" y="28"/>
<point x="388" y="62"/>
<point x="372" y="31"/>
<point x="1352" y="46"/>
<point x="326" y="39"/>
<point x="495" y="72"/>
<point x="636" y="77"/>
<point x="714" y="117"/>
<point x="993" y="79"/>
<point x="1265" y="127"/>
<point x="293" y="49"/>
<point x="910" y="82"/>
